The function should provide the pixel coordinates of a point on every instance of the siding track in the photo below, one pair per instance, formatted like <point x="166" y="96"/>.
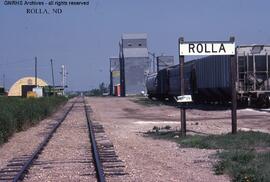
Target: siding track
<point x="65" y="154"/>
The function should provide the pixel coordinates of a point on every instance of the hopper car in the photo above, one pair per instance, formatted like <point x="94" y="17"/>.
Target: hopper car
<point x="208" y="79"/>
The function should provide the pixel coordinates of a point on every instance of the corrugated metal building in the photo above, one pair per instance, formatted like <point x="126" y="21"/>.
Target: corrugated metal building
<point x="136" y="63"/>
<point x="20" y="87"/>
<point x="114" y="73"/>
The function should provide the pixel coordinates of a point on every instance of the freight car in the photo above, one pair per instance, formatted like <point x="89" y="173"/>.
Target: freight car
<point x="208" y="79"/>
<point x="157" y="85"/>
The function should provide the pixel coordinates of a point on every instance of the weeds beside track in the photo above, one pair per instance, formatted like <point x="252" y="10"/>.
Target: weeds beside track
<point x="17" y="114"/>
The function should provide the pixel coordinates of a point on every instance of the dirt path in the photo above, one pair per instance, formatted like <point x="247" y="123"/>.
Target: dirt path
<point x="158" y="160"/>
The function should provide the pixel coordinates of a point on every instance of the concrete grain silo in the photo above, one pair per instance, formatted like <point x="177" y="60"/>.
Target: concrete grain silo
<point x="135" y="62"/>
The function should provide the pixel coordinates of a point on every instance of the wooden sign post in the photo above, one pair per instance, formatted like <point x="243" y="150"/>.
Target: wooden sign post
<point x="200" y="48"/>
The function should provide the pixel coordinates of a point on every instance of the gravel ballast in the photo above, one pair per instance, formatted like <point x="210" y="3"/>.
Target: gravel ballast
<point x="26" y="142"/>
<point x="67" y="157"/>
<point x="147" y="159"/>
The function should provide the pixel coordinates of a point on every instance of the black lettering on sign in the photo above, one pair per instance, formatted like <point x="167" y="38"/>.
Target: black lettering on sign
<point x="199" y="48"/>
<point x="213" y="50"/>
<point x="207" y="51"/>
<point x="191" y="47"/>
<point x="222" y="48"/>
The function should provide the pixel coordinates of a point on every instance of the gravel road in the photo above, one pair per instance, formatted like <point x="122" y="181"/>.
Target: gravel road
<point x="156" y="160"/>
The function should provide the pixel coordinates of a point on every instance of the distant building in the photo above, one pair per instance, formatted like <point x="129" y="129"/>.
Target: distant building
<point x="114" y="73"/>
<point x="134" y="61"/>
<point x="20" y="87"/>
<point x="164" y="62"/>
<point x="2" y="90"/>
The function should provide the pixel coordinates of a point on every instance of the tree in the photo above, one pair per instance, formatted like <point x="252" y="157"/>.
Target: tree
<point x="100" y="90"/>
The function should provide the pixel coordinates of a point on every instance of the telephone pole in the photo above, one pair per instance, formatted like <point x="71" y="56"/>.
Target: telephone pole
<point x="36" y="71"/>
<point x="122" y="70"/>
<point x="4" y="80"/>
<point x="153" y="61"/>
<point x="64" y="74"/>
<point x="53" y="77"/>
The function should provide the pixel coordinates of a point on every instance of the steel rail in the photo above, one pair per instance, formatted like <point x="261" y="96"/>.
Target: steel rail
<point x="98" y="165"/>
<point x="34" y="156"/>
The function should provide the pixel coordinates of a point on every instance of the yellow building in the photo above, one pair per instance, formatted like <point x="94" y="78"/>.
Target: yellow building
<point x="16" y="88"/>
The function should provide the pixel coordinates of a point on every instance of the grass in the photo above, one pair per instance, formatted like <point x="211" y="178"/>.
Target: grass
<point x="242" y="140"/>
<point x="244" y="156"/>
<point x="17" y="114"/>
<point x="244" y="165"/>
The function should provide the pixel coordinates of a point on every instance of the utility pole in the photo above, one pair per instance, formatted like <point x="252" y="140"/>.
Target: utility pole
<point x="111" y="79"/>
<point x="63" y="78"/>
<point x="153" y="61"/>
<point x="158" y="64"/>
<point x="64" y="74"/>
<point x="154" y="65"/>
<point x="122" y="70"/>
<point x="53" y="77"/>
<point x="36" y="71"/>
<point x="4" y="80"/>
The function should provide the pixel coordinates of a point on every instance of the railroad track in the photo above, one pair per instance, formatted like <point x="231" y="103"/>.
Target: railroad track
<point x="18" y="166"/>
<point x="107" y="162"/>
<point x="103" y="156"/>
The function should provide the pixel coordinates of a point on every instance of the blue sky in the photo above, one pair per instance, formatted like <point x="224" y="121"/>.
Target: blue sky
<point x="83" y="38"/>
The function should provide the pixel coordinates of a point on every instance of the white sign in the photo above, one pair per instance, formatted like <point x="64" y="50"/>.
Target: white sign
<point x="191" y="49"/>
<point x="183" y="98"/>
